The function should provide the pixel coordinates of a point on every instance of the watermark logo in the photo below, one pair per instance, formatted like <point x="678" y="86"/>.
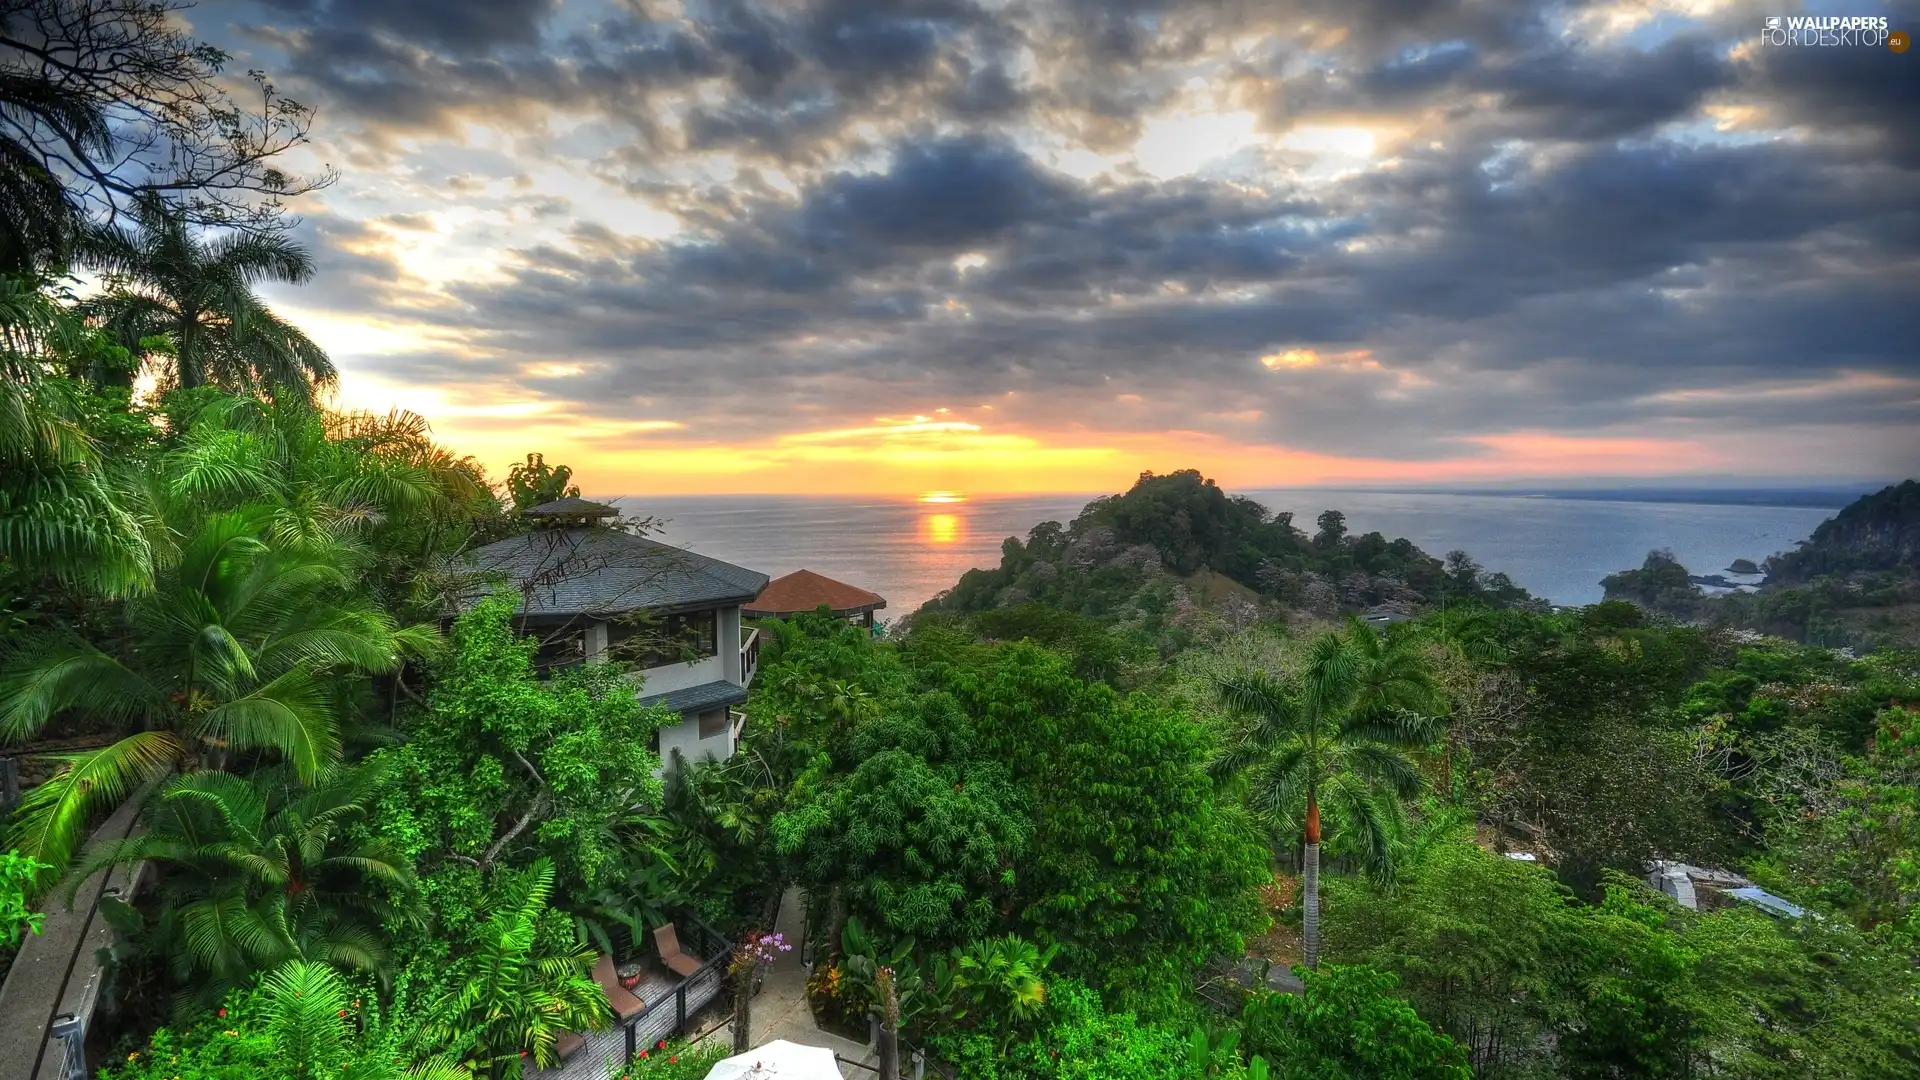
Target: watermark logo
<point x="1841" y="31"/>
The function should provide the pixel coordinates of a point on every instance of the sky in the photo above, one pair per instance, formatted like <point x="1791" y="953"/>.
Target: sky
<point x="889" y="246"/>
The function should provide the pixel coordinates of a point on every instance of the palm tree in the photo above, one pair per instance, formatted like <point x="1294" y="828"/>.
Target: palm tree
<point x="513" y="995"/>
<point x="60" y="515"/>
<point x="243" y="645"/>
<point x="259" y="871"/>
<point x="166" y="277"/>
<point x="1337" y="733"/>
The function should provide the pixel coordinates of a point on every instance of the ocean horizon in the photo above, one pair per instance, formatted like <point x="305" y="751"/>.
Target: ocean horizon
<point x="1557" y="545"/>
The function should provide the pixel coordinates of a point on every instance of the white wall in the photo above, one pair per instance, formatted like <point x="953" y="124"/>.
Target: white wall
<point x="685" y="737"/>
<point x="679" y="676"/>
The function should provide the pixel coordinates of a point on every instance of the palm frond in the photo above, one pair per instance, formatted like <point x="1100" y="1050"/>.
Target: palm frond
<point x="45" y="676"/>
<point x="291" y="715"/>
<point x="53" y="819"/>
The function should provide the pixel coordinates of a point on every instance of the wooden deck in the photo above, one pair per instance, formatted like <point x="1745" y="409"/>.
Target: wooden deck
<point x="606" y="1051"/>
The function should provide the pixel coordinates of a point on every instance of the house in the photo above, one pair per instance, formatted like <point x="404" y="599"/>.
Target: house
<point x="592" y="591"/>
<point x="804" y="590"/>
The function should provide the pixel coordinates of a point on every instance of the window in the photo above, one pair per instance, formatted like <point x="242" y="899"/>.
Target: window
<point x="674" y="639"/>
<point x="714" y="723"/>
<point x="559" y="649"/>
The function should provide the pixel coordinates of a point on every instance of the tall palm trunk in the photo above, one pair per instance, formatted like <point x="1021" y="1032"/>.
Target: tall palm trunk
<point x="1310" y="887"/>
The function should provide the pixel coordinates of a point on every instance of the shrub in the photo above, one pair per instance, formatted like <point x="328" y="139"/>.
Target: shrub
<point x="673" y="1060"/>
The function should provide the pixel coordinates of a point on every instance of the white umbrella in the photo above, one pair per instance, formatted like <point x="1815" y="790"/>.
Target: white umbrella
<point x="779" y="1060"/>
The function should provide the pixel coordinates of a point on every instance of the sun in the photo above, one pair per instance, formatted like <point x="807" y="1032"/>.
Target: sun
<point x="943" y="497"/>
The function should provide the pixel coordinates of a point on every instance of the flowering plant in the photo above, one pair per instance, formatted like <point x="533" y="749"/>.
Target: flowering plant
<point x="674" y="1060"/>
<point x="759" y="950"/>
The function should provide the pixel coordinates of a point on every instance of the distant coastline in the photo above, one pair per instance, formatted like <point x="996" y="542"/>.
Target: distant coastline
<point x="1821" y="498"/>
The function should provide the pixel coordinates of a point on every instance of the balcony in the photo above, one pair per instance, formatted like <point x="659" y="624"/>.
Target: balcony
<point x="749" y="656"/>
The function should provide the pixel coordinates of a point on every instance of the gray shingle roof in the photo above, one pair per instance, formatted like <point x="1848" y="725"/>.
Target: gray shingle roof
<point x="599" y="571"/>
<point x="697" y="698"/>
<point x="572" y="506"/>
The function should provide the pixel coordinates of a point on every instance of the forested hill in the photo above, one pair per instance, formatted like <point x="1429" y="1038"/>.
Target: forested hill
<point x="1855" y="582"/>
<point x="1878" y="532"/>
<point x="1179" y="540"/>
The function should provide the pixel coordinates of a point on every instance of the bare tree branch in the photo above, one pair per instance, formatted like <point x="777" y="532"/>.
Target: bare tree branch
<point x="115" y="101"/>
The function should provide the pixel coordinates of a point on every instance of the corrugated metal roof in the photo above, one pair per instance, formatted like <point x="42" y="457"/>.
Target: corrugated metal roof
<point x="600" y="571"/>
<point x="1768" y="902"/>
<point x="697" y="698"/>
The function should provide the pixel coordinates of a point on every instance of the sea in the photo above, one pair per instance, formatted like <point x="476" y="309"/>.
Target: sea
<point x="908" y="551"/>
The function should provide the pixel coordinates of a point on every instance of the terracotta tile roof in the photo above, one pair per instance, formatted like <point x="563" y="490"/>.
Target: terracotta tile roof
<point x="804" y="590"/>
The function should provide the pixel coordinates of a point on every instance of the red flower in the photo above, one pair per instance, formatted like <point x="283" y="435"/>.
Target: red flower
<point x="675" y="1060"/>
<point x="523" y="1053"/>
<point x="223" y="1012"/>
<point x="662" y="1044"/>
<point x="343" y="1012"/>
<point x="643" y="1053"/>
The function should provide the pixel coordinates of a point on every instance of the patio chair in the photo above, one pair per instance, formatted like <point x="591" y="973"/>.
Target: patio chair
<point x="671" y="955"/>
<point x="567" y="1045"/>
<point x="625" y="1005"/>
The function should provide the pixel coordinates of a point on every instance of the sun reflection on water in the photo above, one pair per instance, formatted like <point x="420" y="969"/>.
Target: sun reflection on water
<point x="942" y="528"/>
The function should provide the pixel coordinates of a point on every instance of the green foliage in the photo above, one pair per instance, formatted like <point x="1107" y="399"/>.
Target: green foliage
<point x="17" y="874"/>
<point x="165" y="277"/>
<point x="1077" y="1038"/>
<point x="1660" y="585"/>
<point x="256" y="872"/>
<point x="1135" y="560"/>
<point x="673" y="1059"/>
<point x="1347" y="1025"/>
<point x="1137" y="872"/>
<point x="302" y="1022"/>
<point x="533" y="482"/>
<point x="514" y="994"/>
<point x="1579" y="733"/>
<point x="245" y="644"/>
<point x="501" y="766"/>
<point x="64" y="523"/>
<point x="928" y="851"/>
<point x="1338" y="732"/>
<point x="1476" y="940"/>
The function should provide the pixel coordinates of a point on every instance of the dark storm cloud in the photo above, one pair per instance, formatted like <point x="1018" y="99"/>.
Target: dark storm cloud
<point x="1563" y="241"/>
<point x="465" y="26"/>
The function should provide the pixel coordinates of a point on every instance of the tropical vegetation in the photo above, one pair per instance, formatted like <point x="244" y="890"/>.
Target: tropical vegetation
<point x="1143" y="800"/>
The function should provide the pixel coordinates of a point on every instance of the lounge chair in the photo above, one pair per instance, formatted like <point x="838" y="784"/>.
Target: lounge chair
<point x="568" y="1044"/>
<point x="625" y="1005"/>
<point x="677" y="961"/>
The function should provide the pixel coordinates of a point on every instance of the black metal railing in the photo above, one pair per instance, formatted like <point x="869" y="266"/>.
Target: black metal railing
<point x="669" y="1016"/>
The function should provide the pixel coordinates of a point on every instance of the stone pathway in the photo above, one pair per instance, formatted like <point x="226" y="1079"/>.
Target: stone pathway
<point x="780" y="1009"/>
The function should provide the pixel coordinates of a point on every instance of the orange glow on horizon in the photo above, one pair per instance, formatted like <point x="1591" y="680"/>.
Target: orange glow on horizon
<point x="946" y="463"/>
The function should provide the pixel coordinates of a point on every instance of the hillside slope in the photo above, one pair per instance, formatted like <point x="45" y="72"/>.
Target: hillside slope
<point x="1854" y="582"/>
<point x="1155" y="556"/>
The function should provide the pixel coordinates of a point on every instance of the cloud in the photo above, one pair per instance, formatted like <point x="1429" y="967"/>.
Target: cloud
<point x="1392" y="230"/>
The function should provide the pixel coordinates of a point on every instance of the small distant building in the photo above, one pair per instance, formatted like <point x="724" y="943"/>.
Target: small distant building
<point x="804" y="590"/>
<point x="1695" y="888"/>
<point x="591" y="591"/>
<point x="1769" y="903"/>
<point x="1385" y="615"/>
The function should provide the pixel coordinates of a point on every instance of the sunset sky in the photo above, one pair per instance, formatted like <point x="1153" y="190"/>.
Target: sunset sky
<point x="1042" y="245"/>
